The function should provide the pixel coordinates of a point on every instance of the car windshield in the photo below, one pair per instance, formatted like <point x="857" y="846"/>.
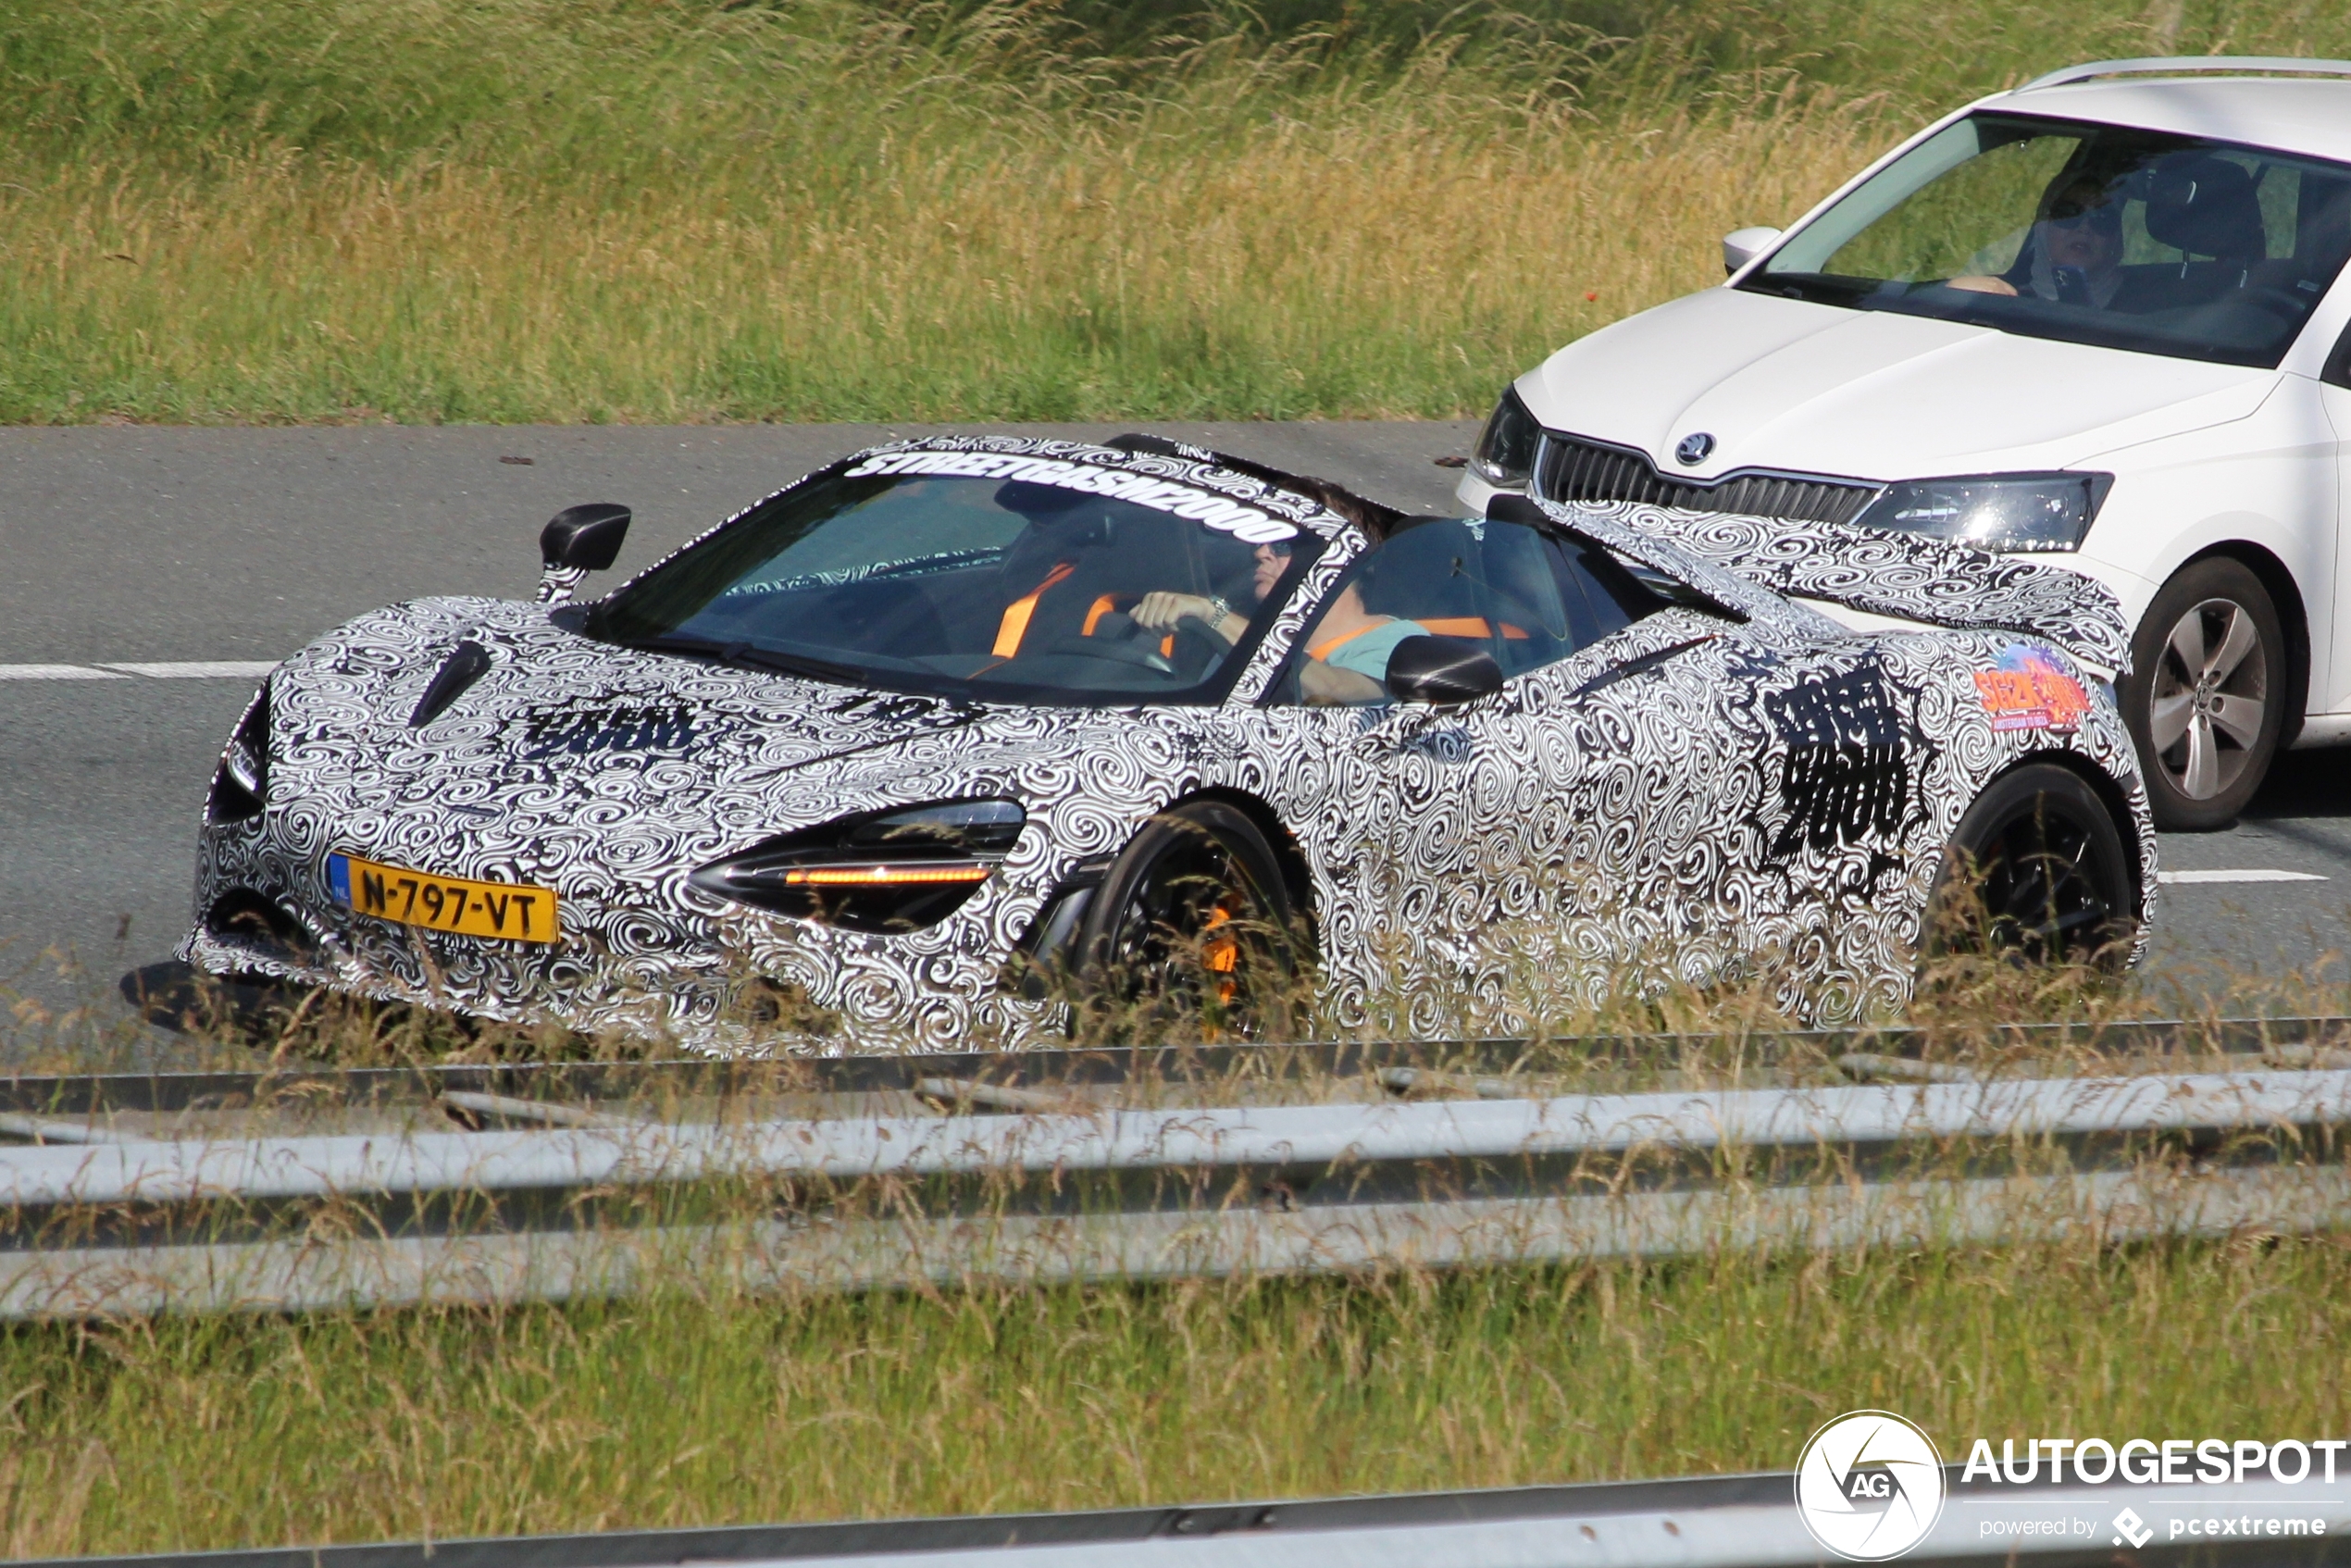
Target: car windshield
<point x="2092" y="234"/>
<point x="1067" y="583"/>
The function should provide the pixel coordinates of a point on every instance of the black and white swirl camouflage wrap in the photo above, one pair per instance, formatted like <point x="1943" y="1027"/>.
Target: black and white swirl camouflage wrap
<point x="1689" y="796"/>
<point x="1906" y="576"/>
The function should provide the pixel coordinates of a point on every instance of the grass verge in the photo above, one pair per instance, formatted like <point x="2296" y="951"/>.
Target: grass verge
<point x="566" y="210"/>
<point x="701" y="1405"/>
<point x="184" y="1434"/>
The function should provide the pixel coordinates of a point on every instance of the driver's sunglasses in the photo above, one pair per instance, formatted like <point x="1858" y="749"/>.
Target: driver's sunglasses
<point x="2103" y="216"/>
<point x="1280" y="549"/>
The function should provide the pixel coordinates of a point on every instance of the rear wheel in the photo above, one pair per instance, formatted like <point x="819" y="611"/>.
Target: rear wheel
<point x="1192" y="922"/>
<point x="2036" y="872"/>
<point x="2204" y="699"/>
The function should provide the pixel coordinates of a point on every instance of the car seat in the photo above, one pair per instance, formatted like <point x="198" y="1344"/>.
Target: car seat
<point x="2205" y="206"/>
<point x="1437" y="574"/>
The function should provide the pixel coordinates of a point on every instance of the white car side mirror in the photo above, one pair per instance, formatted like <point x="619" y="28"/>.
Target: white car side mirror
<point x="1740" y="245"/>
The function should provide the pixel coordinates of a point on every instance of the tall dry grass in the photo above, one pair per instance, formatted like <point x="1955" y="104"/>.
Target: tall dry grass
<point x="699" y="209"/>
<point x="186" y="1434"/>
<point x="1363" y="271"/>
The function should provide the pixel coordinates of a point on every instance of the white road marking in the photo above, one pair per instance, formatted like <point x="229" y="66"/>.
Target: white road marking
<point x="186" y="669"/>
<point x="201" y="670"/>
<point x="2252" y="873"/>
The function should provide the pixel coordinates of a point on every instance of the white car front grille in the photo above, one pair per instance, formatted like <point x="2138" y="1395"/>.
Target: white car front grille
<point x="1570" y="468"/>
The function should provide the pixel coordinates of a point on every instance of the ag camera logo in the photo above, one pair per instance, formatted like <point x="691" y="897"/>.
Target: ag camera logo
<point x="1870" y="1486"/>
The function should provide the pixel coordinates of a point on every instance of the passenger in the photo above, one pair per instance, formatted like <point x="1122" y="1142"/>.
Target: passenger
<point x="2076" y="247"/>
<point x="1347" y="650"/>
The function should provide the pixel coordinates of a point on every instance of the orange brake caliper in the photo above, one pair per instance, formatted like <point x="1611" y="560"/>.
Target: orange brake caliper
<point x="1221" y="954"/>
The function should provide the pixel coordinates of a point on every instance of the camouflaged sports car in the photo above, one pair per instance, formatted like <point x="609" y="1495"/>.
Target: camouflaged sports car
<point x="957" y="733"/>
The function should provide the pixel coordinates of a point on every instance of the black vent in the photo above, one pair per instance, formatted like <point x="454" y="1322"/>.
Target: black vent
<point x="1569" y="469"/>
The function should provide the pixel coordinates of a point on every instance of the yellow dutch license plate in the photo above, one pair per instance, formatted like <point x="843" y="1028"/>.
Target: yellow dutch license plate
<point x="510" y="911"/>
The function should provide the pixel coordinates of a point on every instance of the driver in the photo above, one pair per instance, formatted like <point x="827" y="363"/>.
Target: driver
<point x="1346" y="662"/>
<point x="1161" y="609"/>
<point x="2077" y="249"/>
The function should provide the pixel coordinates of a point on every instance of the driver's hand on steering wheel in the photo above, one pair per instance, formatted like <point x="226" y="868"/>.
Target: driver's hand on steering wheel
<point x="1160" y="610"/>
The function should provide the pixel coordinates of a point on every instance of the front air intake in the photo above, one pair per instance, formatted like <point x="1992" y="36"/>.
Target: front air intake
<point x="240" y="783"/>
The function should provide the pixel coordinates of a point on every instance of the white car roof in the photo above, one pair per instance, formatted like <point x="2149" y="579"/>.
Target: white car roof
<point x="2285" y="114"/>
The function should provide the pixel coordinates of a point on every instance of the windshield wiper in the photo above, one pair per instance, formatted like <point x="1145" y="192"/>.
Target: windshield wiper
<point x="750" y="656"/>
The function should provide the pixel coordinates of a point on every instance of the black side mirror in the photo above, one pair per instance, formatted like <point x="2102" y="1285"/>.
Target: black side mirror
<point x="1508" y="507"/>
<point x="1442" y="671"/>
<point x="584" y="538"/>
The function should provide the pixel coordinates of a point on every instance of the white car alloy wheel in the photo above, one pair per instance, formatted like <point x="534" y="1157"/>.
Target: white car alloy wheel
<point x="2205" y="705"/>
<point x="2211" y="695"/>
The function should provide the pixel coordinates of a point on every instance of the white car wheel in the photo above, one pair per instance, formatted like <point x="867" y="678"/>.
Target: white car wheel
<point x="2206" y="708"/>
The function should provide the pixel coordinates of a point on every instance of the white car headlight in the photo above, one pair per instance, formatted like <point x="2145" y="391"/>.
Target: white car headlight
<point x="1505" y="453"/>
<point x="1993" y="511"/>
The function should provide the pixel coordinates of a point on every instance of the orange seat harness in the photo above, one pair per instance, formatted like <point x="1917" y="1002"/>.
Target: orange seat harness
<point x="1441" y="626"/>
<point x="1015" y="626"/>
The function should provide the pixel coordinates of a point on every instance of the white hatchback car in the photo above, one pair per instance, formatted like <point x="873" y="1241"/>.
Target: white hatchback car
<point x="2102" y="316"/>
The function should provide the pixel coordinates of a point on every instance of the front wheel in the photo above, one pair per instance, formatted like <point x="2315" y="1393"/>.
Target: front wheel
<point x="2035" y="873"/>
<point x="1192" y="923"/>
<point x="2204" y="699"/>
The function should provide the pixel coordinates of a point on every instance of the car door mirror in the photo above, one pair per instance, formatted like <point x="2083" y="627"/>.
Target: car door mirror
<point x="577" y="541"/>
<point x="1441" y="671"/>
<point x="1742" y="245"/>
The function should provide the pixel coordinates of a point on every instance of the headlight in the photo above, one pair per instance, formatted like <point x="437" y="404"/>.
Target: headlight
<point x="241" y="784"/>
<point x="1505" y="453"/>
<point x="891" y="871"/>
<point x="1994" y="511"/>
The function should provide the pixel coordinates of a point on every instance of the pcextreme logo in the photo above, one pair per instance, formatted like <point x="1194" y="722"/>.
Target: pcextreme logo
<point x="1870" y="1486"/>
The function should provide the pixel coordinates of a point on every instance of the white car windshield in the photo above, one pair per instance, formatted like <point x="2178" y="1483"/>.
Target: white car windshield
<point x="924" y="571"/>
<point x="2095" y="234"/>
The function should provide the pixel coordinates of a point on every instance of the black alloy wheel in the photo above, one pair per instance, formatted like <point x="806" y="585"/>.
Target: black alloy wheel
<point x="2204" y="700"/>
<point x="2036" y="874"/>
<point x="1193" y="921"/>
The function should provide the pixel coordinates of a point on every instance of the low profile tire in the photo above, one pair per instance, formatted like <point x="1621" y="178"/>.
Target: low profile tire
<point x="2036" y="872"/>
<point x="2205" y="698"/>
<point x="1191" y="921"/>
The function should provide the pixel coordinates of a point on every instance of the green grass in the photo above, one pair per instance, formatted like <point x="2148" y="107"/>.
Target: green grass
<point x="179" y="1434"/>
<point x="425" y="210"/>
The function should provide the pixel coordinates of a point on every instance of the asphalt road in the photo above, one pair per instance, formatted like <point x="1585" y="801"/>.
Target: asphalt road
<point x="129" y="545"/>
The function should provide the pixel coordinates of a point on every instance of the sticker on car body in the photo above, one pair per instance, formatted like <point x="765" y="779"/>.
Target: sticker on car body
<point x="583" y="732"/>
<point x="1847" y="776"/>
<point x="2029" y="690"/>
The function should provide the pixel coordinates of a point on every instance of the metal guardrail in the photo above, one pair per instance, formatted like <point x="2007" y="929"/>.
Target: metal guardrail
<point x="228" y="1191"/>
<point x="1711" y="1521"/>
<point x="854" y="1148"/>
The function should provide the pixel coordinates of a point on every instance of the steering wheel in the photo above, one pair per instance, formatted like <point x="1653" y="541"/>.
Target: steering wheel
<point x="1115" y="651"/>
<point x="1198" y="644"/>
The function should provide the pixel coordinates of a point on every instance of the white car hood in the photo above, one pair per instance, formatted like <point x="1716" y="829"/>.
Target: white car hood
<point x="1814" y="389"/>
